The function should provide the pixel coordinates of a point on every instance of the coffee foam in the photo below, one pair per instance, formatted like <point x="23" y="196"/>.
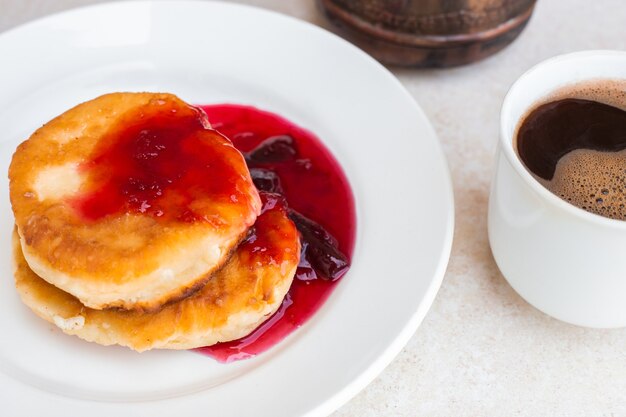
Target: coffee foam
<point x="607" y="91"/>
<point x="592" y="180"/>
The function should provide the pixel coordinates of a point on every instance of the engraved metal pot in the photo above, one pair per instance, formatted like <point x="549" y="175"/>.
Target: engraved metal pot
<point x="429" y="33"/>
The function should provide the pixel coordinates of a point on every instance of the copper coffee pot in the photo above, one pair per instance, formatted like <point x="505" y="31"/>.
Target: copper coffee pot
<point x="429" y="33"/>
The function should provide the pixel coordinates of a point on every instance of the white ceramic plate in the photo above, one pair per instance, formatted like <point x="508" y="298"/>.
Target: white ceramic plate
<point x="207" y="53"/>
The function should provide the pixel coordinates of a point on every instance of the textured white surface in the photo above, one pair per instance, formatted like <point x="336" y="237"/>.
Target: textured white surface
<point x="481" y="350"/>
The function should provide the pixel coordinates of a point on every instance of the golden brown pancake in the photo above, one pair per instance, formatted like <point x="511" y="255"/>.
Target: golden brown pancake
<point x="130" y="200"/>
<point x="243" y="294"/>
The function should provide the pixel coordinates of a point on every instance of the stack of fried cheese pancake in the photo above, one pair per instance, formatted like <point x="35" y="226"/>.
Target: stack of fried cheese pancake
<point x="139" y="225"/>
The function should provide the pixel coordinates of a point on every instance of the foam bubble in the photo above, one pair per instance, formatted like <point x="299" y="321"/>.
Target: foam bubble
<point x="592" y="180"/>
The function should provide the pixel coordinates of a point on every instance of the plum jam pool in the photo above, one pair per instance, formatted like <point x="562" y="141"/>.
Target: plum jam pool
<point x="288" y="160"/>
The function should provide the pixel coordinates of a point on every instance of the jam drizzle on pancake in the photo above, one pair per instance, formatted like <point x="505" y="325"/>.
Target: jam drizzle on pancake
<point x="161" y="160"/>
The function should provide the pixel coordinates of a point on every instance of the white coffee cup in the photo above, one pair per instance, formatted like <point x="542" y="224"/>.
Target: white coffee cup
<point x="567" y="262"/>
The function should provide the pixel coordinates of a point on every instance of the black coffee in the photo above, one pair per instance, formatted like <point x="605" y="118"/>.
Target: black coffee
<point x="576" y="147"/>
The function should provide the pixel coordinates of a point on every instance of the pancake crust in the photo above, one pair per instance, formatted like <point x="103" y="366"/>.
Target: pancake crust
<point x="243" y="294"/>
<point x="127" y="259"/>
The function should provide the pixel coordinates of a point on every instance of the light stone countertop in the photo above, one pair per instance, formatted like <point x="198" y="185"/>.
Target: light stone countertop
<point x="482" y="350"/>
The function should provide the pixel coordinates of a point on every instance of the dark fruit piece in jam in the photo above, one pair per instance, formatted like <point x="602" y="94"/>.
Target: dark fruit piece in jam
<point x="286" y="159"/>
<point x="320" y="249"/>
<point x="266" y="180"/>
<point x="275" y="149"/>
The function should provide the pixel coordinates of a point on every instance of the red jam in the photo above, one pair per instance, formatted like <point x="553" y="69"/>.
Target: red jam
<point x="262" y="243"/>
<point x="158" y="161"/>
<point x="292" y="161"/>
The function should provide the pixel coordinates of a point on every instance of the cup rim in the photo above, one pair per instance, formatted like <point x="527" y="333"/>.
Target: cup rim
<point x="506" y="141"/>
